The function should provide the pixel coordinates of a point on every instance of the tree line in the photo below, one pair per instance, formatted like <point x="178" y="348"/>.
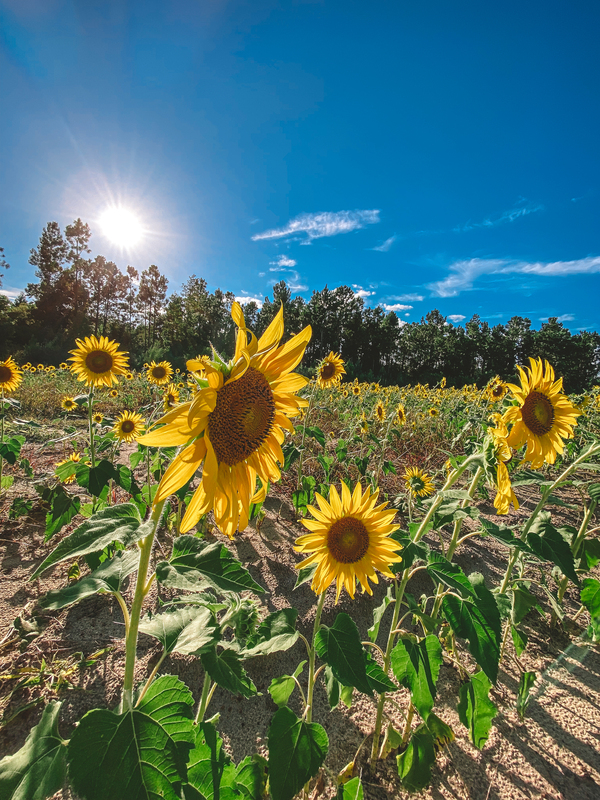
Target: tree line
<point x="75" y="296"/>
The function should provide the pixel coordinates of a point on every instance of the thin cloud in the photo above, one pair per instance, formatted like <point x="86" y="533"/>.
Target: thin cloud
<point x="562" y="318"/>
<point x="404" y="298"/>
<point x="325" y="223"/>
<point x="383" y="248"/>
<point x="11" y="293"/>
<point x="456" y="318"/>
<point x="511" y="215"/>
<point x="463" y="274"/>
<point x="360" y="292"/>
<point x="283" y="261"/>
<point x="395" y="307"/>
<point x="248" y="298"/>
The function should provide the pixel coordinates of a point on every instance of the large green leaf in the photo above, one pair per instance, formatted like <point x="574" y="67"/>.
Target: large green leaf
<point x="378" y="680"/>
<point x="411" y="552"/>
<point x="443" y="571"/>
<point x="340" y="647"/>
<point x="281" y="688"/>
<point x="209" y="771"/>
<point x="522" y="603"/>
<point x="417" y="666"/>
<point x="119" y="523"/>
<point x="523" y="695"/>
<point x="478" y="621"/>
<point x="194" y="564"/>
<point x="96" y="479"/>
<point x="502" y="534"/>
<point x="37" y="770"/>
<point x="590" y="598"/>
<point x="188" y="630"/>
<point x="352" y="790"/>
<point x="11" y="449"/>
<point x="108" y="577"/>
<point x="297" y="749"/>
<point x="415" y="763"/>
<point x="547" y="543"/>
<point x="227" y="671"/>
<point x="251" y="777"/>
<point x="275" y="633"/>
<point x="475" y="710"/>
<point x="137" y="755"/>
<point x="63" y="507"/>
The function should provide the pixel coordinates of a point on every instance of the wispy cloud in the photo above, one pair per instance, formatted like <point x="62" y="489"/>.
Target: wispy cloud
<point x="325" y="223"/>
<point x="562" y="318"/>
<point x="404" y="298"/>
<point x="11" y="293"/>
<point x="284" y="264"/>
<point x="522" y="209"/>
<point x="383" y="248"/>
<point x="245" y="298"/>
<point x="283" y="261"/>
<point x="463" y="274"/>
<point x="395" y="307"/>
<point x="456" y="318"/>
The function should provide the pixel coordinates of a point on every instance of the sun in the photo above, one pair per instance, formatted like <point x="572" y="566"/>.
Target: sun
<point x="121" y="226"/>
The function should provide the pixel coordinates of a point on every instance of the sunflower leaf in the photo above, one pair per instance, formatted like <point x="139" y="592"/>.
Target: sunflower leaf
<point x="378" y="613"/>
<point x="475" y="710"/>
<point x="63" y="507"/>
<point x="11" y="449"/>
<point x="188" y="630"/>
<point x="275" y="633"/>
<point x="96" y="479"/>
<point x="417" y="666"/>
<point x="443" y="571"/>
<point x="590" y="598"/>
<point x="415" y="763"/>
<point x="547" y="543"/>
<point x="340" y="647"/>
<point x="227" y="671"/>
<point x="297" y="749"/>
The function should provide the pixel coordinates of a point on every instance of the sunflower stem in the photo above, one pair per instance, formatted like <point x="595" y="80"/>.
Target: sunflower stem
<point x="91" y="426"/>
<point x="562" y="588"/>
<point x="311" y="668"/>
<point x="306" y="416"/>
<point x="2" y="439"/>
<point x="205" y="699"/>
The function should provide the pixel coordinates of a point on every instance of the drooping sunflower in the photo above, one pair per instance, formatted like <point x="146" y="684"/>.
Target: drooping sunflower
<point x="235" y="425"/>
<point x="10" y="375"/>
<point x="129" y="426"/>
<point x="97" y="417"/>
<point x="379" y="412"/>
<point x="349" y="539"/>
<point x="68" y="403"/>
<point x="159" y="374"/>
<point x="544" y="416"/>
<point x="98" y="362"/>
<point x="170" y="397"/>
<point x="418" y="482"/>
<point x="400" y="417"/>
<point x="330" y="371"/>
<point x="504" y="491"/>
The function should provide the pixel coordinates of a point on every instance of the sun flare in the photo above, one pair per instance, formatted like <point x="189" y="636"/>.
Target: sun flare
<point x="121" y="226"/>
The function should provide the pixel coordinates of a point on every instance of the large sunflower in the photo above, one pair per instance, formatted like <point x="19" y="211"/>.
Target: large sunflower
<point x="98" y="362"/>
<point x="418" y="482"/>
<point x="234" y="425"/>
<point x="349" y="539"/>
<point x="159" y="374"/>
<point x="10" y="375"/>
<point x="330" y="371"/>
<point x="129" y="426"/>
<point x="544" y="416"/>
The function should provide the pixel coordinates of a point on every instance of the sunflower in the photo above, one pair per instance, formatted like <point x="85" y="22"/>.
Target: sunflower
<point x="235" y="425"/>
<point x="98" y="361"/>
<point x="74" y="457"/>
<point x="63" y="365"/>
<point x="40" y="367"/>
<point x="400" y="415"/>
<point x="443" y="383"/>
<point x="129" y="426"/>
<point x="129" y="376"/>
<point x="496" y="390"/>
<point x="97" y="418"/>
<point x="349" y="539"/>
<point x="504" y="494"/>
<point x="68" y="403"/>
<point x="171" y="396"/>
<point x="200" y="365"/>
<point x="356" y="390"/>
<point x="544" y="416"/>
<point x="10" y="375"/>
<point x="379" y="412"/>
<point x="159" y="374"/>
<point x="113" y="393"/>
<point x="418" y="482"/>
<point x="433" y="412"/>
<point x="32" y="369"/>
<point x="345" y="393"/>
<point x="330" y="371"/>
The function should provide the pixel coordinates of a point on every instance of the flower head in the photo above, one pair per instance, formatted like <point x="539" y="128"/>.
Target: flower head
<point x="68" y="403"/>
<point x="170" y="397"/>
<point x="379" y="412"/>
<point x="419" y="483"/>
<point x="98" y="362"/>
<point x="10" y="375"/>
<point x="330" y="371"/>
<point x="129" y="426"/>
<point x="159" y="374"/>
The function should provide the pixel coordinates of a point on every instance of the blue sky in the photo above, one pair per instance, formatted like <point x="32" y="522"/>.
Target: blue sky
<point x="432" y="155"/>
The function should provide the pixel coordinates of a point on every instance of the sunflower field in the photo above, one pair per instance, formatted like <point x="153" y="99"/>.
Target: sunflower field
<point x="239" y="582"/>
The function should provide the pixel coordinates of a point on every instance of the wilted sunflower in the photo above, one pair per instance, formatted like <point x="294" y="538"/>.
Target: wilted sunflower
<point x="129" y="426"/>
<point x="74" y="457"/>
<point x="504" y="494"/>
<point x="68" y="403"/>
<point x="170" y="397"/>
<point x="349" y="539"/>
<point x="10" y="375"/>
<point x="98" y="362"/>
<point x="330" y="371"/>
<point x="544" y="417"/>
<point x="97" y="417"/>
<point x="379" y="412"/>
<point x="418" y="482"/>
<point x="159" y="374"/>
<point x="400" y="417"/>
<point x="235" y="426"/>
<point x="113" y="393"/>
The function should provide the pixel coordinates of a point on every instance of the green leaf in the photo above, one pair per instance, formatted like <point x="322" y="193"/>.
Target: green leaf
<point x="502" y="534"/>
<point x="316" y="433"/>
<point x="340" y="647"/>
<point x="332" y="687"/>
<point x="281" y="688"/>
<point x="417" y="666"/>
<point x="37" y="770"/>
<point x="188" y="630"/>
<point x="11" y="449"/>
<point x="251" y="777"/>
<point x="20" y="508"/>
<point x="442" y="732"/>
<point x="95" y="479"/>
<point x="475" y="710"/>
<point x="522" y="603"/>
<point x="589" y="553"/>
<point x="306" y="574"/>
<point x="520" y="640"/>
<point x="415" y="763"/>
<point x="373" y="631"/>
<point x="7" y="481"/>
<point x="275" y="633"/>
<point x="120" y="523"/>
<point x="352" y="790"/>
<point x="63" y="507"/>
<point x="443" y="571"/>
<point x="108" y="577"/>
<point x="194" y="564"/>
<point x="590" y="598"/>
<point x="478" y="621"/>
<point x="227" y="671"/>
<point x="138" y="755"/>
<point x="523" y="696"/>
<point x="297" y="749"/>
<point x="550" y="546"/>
<point x="378" y="680"/>
<point x="411" y="552"/>
<point x="209" y="771"/>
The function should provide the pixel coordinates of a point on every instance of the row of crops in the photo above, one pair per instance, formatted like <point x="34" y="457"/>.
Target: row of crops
<point x="387" y="482"/>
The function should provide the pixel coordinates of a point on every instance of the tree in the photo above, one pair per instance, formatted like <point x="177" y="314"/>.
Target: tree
<point x="151" y="301"/>
<point x="3" y="264"/>
<point x="78" y="236"/>
<point x="48" y="258"/>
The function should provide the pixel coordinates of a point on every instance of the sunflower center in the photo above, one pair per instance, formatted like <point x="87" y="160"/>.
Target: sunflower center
<point x="242" y="418"/>
<point x="159" y="373"/>
<point x="127" y="426"/>
<point x="99" y="361"/>
<point x="498" y="391"/>
<point x="6" y="373"/>
<point x="327" y="371"/>
<point x="538" y="413"/>
<point x="348" y="540"/>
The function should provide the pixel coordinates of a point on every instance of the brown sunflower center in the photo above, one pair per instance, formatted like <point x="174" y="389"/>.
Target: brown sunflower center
<point x="538" y="413"/>
<point x="99" y="361"/>
<point x="128" y="426"/>
<point x="159" y="373"/>
<point x="327" y="371"/>
<point x="348" y="540"/>
<point x="242" y="418"/>
<point x="498" y="390"/>
<point x="6" y="373"/>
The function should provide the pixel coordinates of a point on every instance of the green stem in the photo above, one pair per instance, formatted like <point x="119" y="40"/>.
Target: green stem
<point x="145" y="546"/>
<point x="562" y="588"/>
<point x="2" y="438"/>
<point x="306" y="416"/>
<point x="311" y="670"/>
<point x="91" y="425"/>
<point x="205" y="699"/>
